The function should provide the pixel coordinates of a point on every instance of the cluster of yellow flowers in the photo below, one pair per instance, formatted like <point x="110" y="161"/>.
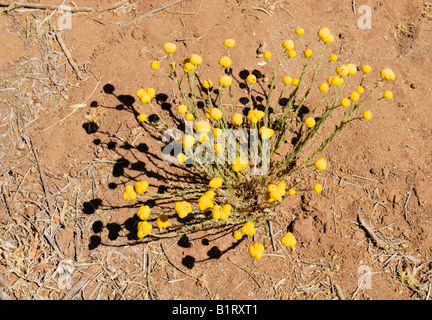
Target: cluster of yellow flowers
<point x="219" y="198"/>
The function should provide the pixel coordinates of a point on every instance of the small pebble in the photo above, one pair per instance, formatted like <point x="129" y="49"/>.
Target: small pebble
<point x="413" y="86"/>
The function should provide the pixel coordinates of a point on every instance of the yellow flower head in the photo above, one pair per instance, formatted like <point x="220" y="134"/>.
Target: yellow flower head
<point x="352" y="69"/>
<point x="225" y="62"/>
<point x="288" y="45"/>
<point x="267" y="55"/>
<point x="323" y="33"/>
<point x="139" y="93"/>
<point x="169" y="47"/>
<point x="151" y="92"/>
<point x="237" y="118"/>
<point x="308" y="53"/>
<point x="317" y="187"/>
<point x="342" y="70"/>
<point x="230" y="43"/>
<point x="329" y="39"/>
<point x="321" y="164"/>
<point x="388" y="94"/>
<point x="287" y="80"/>
<point x="145" y="98"/>
<point x="207" y="84"/>
<point x="221" y="212"/>
<point x="141" y="186"/>
<point x="142" y="117"/>
<point x="181" y="158"/>
<point x="292" y="53"/>
<point x="299" y="31"/>
<point x="354" y="96"/>
<point x="289" y="240"/>
<point x="367" y="115"/>
<point x="281" y="186"/>
<point x="251" y="78"/>
<point x="360" y="89"/>
<point x="345" y="102"/>
<point x="239" y="165"/>
<point x="182" y="109"/>
<point x="154" y="65"/>
<point x="256" y="250"/>
<point x="217" y="132"/>
<point x="366" y="68"/>
<point x="225" y="81"/>
<point x="216" y="113"/>
<point x="248" y="228"/>
<point x="189" y="116"/>
<point x="310" y="122"/>
<point x="144" y="228"/>
<point x="323" y="87"/>
<point x="255" y="115"/>
<point x="129" y="193"/>
<point x="195" y="59"/>
<point x="187" y="67"/>
<point x="188" y="141"/>
<point x="143" y="212"/>
<point x="215" y="182"/>
<point x="162" y="221"/>
<point x="295" y="82"/>
<point x="335" y="81"/>
<point x="238" y="235"/>
<point x="387" y="74"/>
<point x="273" y="193"/>
<point x="205" y="203"/>
<point x="266" y="133"/>
<point x="333" y="57"/>
<point x="183" y="208"/>
<point x="210" y="194"/>
<point x="291" y="191"/>
<point x="219" y="148"/>
<point x="202" y="126"/>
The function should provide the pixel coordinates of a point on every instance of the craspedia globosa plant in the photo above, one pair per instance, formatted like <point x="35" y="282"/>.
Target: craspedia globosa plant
<point x="234" y="150"/>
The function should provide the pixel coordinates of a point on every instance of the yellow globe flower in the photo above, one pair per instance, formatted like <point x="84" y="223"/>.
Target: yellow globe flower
<point x="317" y="187"/>
<point x="289" y="240"/>
<point x="162" y="221"/>
<point x="256" y="250"/>
<point x="387" y="74"/>
<point x="335" y="81"/>
<point x="308" y="53"/>
<point x="352" y="69"/>
<point x="187" y="67"/>
<point x="195" y="59"/>
<point x="142" y="117"/>
<point x="295" y="82"/>
<point x="345" y="102"/>
<point x="367" y="115"/>
<point x="207" y="84"/>
<point x="342" y="70"/>
<point x="321" y="164"/>
<point x="210" y="194"/>
<point x="281" y="187"/>
<point x="154" y="65"/>
<point x="329" y="39"/>
<point x="360" y="89"/>
<point x="141" y="186"/>
<point x="366" y="68"/>
<point x="230" y="43"/>
<point x="207" y="114"/>
<point x="181" y="158"/>
<point x="266" y="133"/>
<point x="239" y="165"/>
<point x="216" y="113"/>
<point x="287" y="80"/>
<point x="251" y="79"/>
<point x="217" y="132"/>
<point x="145" y="98"/>
<point x="354" y="96"/>
<point x="183" y="208"/>
<point x="299" y="31"/>
<point x="189" y="116"/>
<point x="323" y="33"/>
<point x="215" y="182"/>
<point x="292" y="53"/>
<point x="219" y="148"/>
<point x="205" y="203"/>
<point x="140" y="92"/>
<point x="333" y="57"/>
<point x="182" y="109"/>
<point x="129" y="193"/>
<point x="248" y="228"/>
<point x="202" y="126"/>
<point x="323" y="87"/>
<point x="144" y="228"/>
<point x="291" y="191"/>
<point x="274" y="193"/>
<point x="225" y="81"/>
<point x="267" y="55"/>
<point x="237" y="118"/>
<point x="169" y="47"/>
<point x="238" y="235"/>
<point x="310" y="122"/>
<point x="151" y="92"/>
<point x="288" y="45"/>
<point x="255" y="115"/>
<point x="188" y="141"/>
<point x="143" y="212"/>
<point x="388" y="94"/>
<point x="225" y="62"/>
